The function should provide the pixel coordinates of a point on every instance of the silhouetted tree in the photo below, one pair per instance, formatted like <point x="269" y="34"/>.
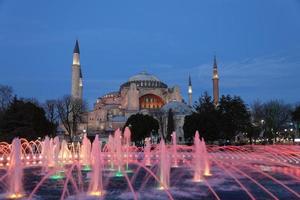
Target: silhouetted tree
<point x="276" y="114"/>
<point x="70" y="112"/>
<point x="205" y="119"/>
<point x="296" y="117"/>
<point x="50" y="107"/>
<point x="170" y="125"/>
<point x="253" y="132"/>
<point x="6" y="97"/>
<point x="234" y="116"/>
<point x="141" y="127"/>
<point x="256" y="129"/>
<point x="25" y="120"/>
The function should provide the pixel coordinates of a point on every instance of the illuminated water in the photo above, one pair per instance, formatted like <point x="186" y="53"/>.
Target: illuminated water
<point x="119" y="170"/>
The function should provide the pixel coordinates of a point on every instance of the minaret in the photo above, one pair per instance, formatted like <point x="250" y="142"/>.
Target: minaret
<point x="80" y="84"/>
<point x="215" y="80"/>
<point x="190" y="92"/>
<point x="76" y="73"/>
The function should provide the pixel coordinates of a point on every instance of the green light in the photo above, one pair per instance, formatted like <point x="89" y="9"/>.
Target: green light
<point x="86" y="168"/>
<point x="119" y="174"/>
<point x="56" y="177"/>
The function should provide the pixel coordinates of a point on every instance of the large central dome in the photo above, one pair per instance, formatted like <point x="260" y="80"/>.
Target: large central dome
<point x="143" y="76"/>
<point x="145" y="80"/>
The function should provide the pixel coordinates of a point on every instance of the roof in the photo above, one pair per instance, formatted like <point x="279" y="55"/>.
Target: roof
<point x="111" y="106"/>
<point x="118" y="118"/>
<point x="76" y="48"/>
<point x="143" y="76"/>
<point x="144" y="80"/>
<point x="177" y="107"/>
<point x="112" y="94"/>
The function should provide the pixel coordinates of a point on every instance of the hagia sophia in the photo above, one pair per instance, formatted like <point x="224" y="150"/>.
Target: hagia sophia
<point x="141" y="93"/>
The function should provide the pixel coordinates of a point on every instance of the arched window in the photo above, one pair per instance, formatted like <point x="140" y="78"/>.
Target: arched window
<point x="151" y="101"/>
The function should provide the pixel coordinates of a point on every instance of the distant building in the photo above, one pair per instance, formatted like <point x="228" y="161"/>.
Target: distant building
<point x="142" y="93"/>
<point x="77" y="83"/>
<point x="179" y="110"/>
<point x="215" y="80"/>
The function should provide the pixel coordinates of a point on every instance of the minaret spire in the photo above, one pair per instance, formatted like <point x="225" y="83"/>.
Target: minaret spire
<point x="215" y="80"/>
<point x="76" y="48"/>
<point x="77" y="85"/>
<point x="215" y="62"/>
<point x="190" y="91"/>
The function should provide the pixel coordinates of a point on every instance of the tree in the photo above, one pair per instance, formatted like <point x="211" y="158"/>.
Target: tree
<point x="296" y="117"/>
<point x="141" y="127"/>
<point x="6" y="97"/>
<point x="50" y="107"/>
<point x="70" y="111"/>
<point x="25" y="120"/>
<point x="253" y="132"/>
<point x="276" y="114"/>
<point x="256" y="129"/>
<point x="234" y="116"/>
<point x="257" y="112"/>
<point x="205" y="119"/>
<point x="170" y="125"/>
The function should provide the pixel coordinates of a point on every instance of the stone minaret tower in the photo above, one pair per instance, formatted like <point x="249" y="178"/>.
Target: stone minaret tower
<point x="190" y="92"/>
<point x="215" y="80"/>
<point x="77" y="84"/>
<point x="80" y="84"/>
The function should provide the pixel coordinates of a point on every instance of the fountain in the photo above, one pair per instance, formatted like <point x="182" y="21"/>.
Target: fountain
<point x="111" y="151"/>
<point x="147" y="152"/>
<point x="85" y="153"/>
<point x="96" y="184"/>
<point x="118" y="152"/>
<point x="174" y="149"/>
<point x="164" y="166"/>
<point x="205" y="159"/>
<point x="15" y="171"/>
<point x="53" y="169"/>
<point x="127" y="141"/>
<point x="198" y="158"/>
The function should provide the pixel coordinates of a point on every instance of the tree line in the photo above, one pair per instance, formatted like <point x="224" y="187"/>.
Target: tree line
<point x="30" y="119"/>
<point x="233" y="120"/>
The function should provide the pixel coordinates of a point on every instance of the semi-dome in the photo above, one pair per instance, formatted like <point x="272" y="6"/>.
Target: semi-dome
<point x="177" y="107"/>
<point x="145" y="80"/>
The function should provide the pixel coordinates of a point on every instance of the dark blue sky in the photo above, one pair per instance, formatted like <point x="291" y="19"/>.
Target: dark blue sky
<point x="257" y="43"/>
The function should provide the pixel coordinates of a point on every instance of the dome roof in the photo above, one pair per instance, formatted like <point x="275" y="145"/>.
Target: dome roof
<point x="177" y="107"/>
<point x="144" y="80"/>
<point x="143" y="76"/>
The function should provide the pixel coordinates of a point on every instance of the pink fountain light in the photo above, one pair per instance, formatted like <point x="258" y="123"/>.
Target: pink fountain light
<point x="164" y="166"/>
<point x="96" y="184"/>
<point x="198" y="158"/>
<point x="174" y="149"/>
<point x="85" y="153"/>
<point x="58" y="163"/>
<point x="15" y="171"/>
<point x="147" y="152"/>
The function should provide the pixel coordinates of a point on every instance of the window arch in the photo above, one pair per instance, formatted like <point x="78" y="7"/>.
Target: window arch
<point x="151" y="101"/>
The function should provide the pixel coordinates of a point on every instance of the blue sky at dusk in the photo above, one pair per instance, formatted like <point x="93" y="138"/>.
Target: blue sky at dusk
<point x="257" y="43"/>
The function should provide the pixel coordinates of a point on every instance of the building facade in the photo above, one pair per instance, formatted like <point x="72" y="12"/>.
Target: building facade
<point x="142" y="93"/>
